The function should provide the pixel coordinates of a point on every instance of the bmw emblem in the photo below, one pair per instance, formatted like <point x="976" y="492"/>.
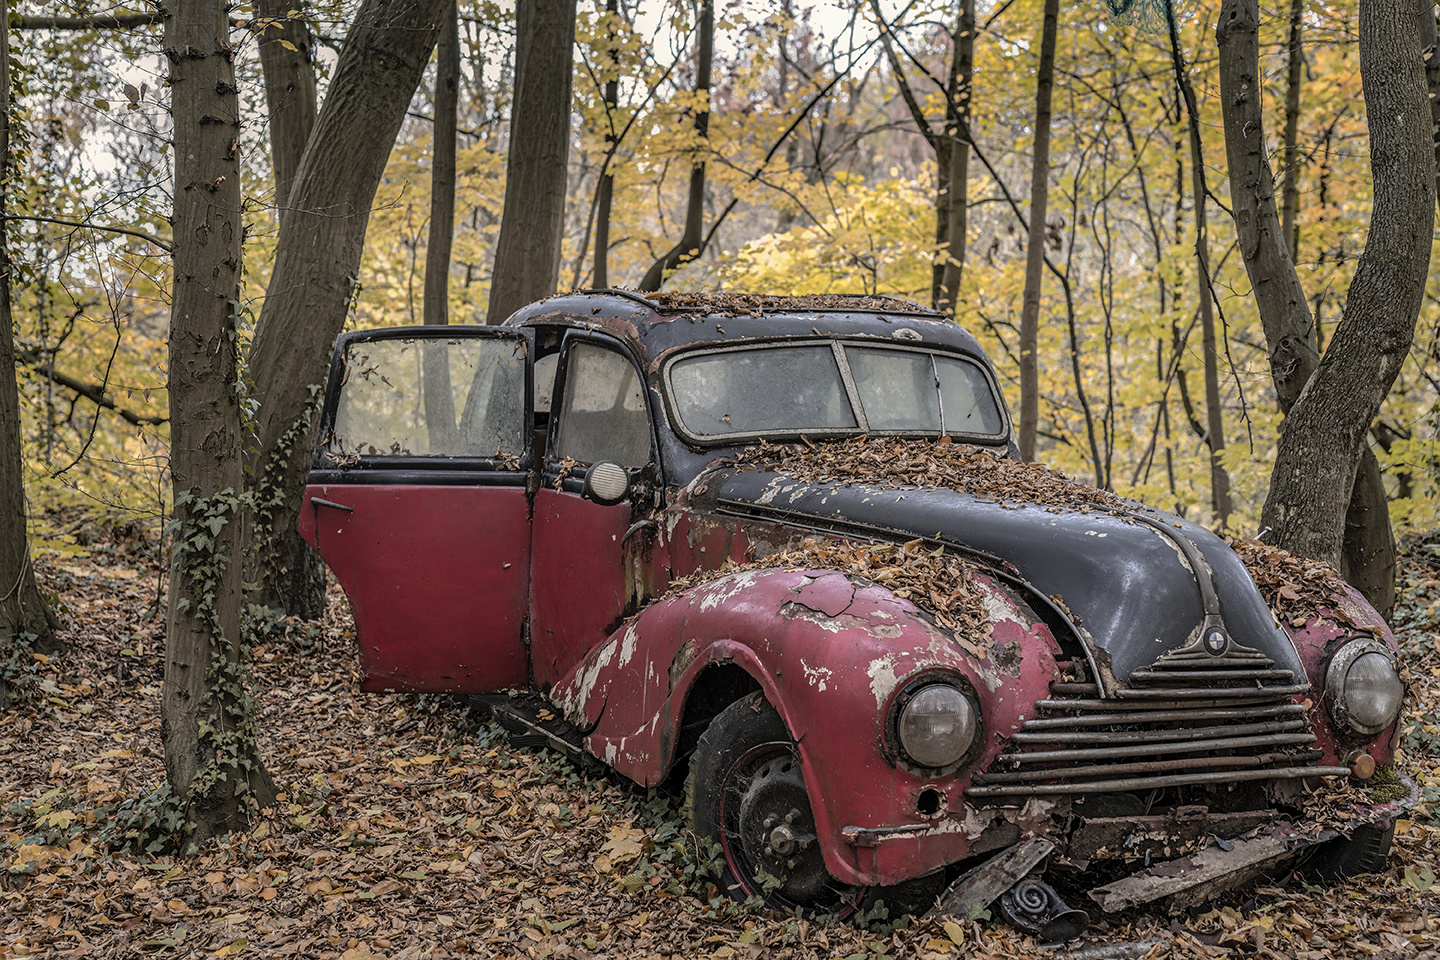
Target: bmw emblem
<point x="1216" y="642"/>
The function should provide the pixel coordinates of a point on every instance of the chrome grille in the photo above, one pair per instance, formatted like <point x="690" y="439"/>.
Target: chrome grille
<point x="1189" y="718"/>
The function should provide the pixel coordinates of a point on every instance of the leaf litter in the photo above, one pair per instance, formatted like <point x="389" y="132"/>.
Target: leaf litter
<point x="408" y="828"/>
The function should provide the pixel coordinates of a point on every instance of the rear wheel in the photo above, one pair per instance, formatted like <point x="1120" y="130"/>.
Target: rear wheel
<point x="746" y="793"/>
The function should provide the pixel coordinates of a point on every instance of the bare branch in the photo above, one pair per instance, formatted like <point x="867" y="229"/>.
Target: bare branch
<point x="95" y="226"/>
<point x="93" y="392"/>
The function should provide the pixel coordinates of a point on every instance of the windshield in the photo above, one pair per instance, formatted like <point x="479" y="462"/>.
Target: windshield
<point x="831" y="389"/>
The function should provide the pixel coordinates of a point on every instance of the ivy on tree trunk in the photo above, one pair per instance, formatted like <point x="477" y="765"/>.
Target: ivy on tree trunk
<point x="212" y="762"/>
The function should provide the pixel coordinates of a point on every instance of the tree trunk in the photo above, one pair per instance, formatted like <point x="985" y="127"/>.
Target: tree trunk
<point x="1368" y="556"/>
<point x="605" y="193"/>
<point x="527" y="253"/>
<point x="22" y="609"/>
<point x="959" y="173"/>
<point x="439" y="397"/>
<point x="1294" y="72"/>
<point x="1035" y="247"/>
<point x="1430" y="43"/>
<point x="207" y="724"/>
<point x="285" y="56"/>
<point x="1214" y="415"/>
<point x="1324" y="435"/>
<point x="689" y="247"/>
<point x="442" y="172"/>
<point x="317" y="260"/>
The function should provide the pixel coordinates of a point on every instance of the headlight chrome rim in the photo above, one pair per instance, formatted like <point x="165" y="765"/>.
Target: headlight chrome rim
<point x="894" y="747"/>
<point x="1336" y="677"/>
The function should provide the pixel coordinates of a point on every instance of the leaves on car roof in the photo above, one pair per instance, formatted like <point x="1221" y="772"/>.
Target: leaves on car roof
<point x="755" y="304"/>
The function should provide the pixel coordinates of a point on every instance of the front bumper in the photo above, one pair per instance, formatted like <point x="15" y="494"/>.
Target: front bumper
<point x="1192" y="879"/>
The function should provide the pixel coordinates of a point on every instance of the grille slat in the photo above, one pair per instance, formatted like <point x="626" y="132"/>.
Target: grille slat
<point x="1168" y="676"/>
<point x="1156" y="716"/>
<point x="1157" y="766"/>
<point x="1190" y="718"/>
<point x="1150" y="749"/>
<point x="1153" y="736"/>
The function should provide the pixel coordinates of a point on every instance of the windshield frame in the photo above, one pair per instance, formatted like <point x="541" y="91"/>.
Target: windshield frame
<point x="837" y="346"/>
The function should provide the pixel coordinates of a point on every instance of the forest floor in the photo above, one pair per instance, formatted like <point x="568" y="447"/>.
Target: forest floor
<point x="408" y="829"/>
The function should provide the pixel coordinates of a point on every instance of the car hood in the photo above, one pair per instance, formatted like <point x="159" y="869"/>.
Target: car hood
<point x="1124" y="582"/>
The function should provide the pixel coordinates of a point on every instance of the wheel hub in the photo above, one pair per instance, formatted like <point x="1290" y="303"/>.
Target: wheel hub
<point x="777" y="829"/>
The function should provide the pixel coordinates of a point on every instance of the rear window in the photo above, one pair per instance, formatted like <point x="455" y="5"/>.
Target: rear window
<point x="431" y="397"/>
<point x="830" y="389"/>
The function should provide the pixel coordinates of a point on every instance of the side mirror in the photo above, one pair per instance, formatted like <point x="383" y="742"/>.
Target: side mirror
<point x="606" y="483"/>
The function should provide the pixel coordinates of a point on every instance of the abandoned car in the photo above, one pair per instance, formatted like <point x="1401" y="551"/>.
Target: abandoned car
<point x="785" y="544"/>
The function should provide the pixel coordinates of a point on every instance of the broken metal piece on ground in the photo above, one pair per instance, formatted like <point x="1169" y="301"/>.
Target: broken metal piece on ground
<point x="980" y="887"/>
<point x="1192" y="880"/>
<point x="1116" y="950"/>
<point x="1033" y="905"/>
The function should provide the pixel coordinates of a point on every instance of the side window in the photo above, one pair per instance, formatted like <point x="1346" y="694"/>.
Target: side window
<point x="431" y="397"/>
<point x="602" y="415"/>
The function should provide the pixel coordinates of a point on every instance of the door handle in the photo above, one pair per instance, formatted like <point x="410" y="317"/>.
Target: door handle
<point x="331" y="504"/>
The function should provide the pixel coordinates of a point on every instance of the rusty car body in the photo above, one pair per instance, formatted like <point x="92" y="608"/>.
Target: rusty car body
<point x="551" y="505"/>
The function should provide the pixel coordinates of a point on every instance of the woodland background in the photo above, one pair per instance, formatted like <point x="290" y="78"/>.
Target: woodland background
<point x="844" y="203"/>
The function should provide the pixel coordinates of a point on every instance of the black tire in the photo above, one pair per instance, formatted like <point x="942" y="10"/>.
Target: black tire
<point x="1364" y="851"/>
<point x="746" y="794"/>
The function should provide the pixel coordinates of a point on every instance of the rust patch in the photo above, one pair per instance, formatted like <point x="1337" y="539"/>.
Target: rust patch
<point x="684" y="657"/>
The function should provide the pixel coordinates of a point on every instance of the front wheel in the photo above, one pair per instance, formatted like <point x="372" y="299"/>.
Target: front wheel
<point x="1364" y="851"/>
<point x="746" y="793"/>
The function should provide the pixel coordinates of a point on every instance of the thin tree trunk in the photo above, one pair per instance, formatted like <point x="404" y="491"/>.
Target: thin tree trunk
<point x="1214" y="415"/>
<point x="959" y="172"/>
<point x="439" y="399"/>
<point x="207" y="727"/>
<point x="1035" y="246"/>
<point x="606" y="191"/>
<point x="691" y="243"/>
<point x="1368" y="557"/>
<point x="1294" y="74"/>
<point x="22" y="608"/>
<point x="1430" y="44"/>
<point x="527" y="253"/>
<point x="1321" y="445"/>
<point x="317" y="260"/>
<point x="286" y="48"/>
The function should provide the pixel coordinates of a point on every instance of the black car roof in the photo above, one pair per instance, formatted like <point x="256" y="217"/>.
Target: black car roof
<point x="659" y="322"/>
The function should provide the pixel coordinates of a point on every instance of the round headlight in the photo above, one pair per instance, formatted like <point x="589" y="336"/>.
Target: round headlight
<point x="936" y="726"/>
<point x="1363" y="689"/>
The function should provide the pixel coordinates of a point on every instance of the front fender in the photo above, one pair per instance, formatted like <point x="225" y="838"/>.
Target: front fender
<point x="830" y="651"/>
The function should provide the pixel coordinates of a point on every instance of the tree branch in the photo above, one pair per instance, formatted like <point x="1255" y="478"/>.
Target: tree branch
<point x="96" y="226"/>
<point x="90" y="391"/>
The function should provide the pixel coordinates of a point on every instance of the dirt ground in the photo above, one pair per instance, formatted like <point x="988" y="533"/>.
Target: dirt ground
<point x="408" y="828"/>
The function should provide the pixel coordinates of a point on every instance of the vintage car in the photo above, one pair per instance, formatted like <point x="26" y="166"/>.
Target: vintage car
<point x="784" y="546"/>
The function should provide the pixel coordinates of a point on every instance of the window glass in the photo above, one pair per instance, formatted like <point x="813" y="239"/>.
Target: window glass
<point x="603" y="413"/>
<point x="968" y="401"/>
<point x="896" y="388"/>
<point x="752" y="391"/>
<point x="430" y="397"/>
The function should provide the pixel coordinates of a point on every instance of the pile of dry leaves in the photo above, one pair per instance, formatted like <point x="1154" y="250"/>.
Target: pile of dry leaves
<point x="934" y="580"/>
<point x="1293" y="586"/>
<point x="407" y="830"/>
<point x="897" y="463"/>
<point x="732" y="304"/>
